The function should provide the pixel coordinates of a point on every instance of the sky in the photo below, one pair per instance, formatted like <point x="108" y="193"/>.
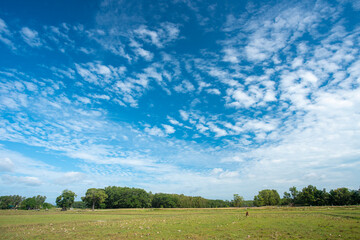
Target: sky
<point x="202" y="98"/>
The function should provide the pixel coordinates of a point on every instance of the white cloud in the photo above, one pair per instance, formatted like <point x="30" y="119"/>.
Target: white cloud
<point x="236" y="129"/>
<point x="184" y="115"/>
<point x="3" y="27"/>
<point x="6" y="165"/>
<point x="217" y="170"/>
<point x="297" y="62"/>
<point x="232" y="159"/>
<point x="174" y="121"/>
<point x="231" y="55"/>
<point x="242" y="99"/>
<point x="213" y="91"/>
<point x="84" y="100"/>
<point x="5" y="34"/>
<point x="166" y="33"/>
<point x="28" y="181"/>
<point x="259" y="125"/>
<point x="296" y="118"/>
<point x="272" y="32"/>
<point x="101" y="96"/>
<point x="218" y="131"/>
<point x="31" y="37"/>
<point x="99" y="74"/>
<point x="256" y="51"/>
<point x="201" y="128"/>
<point x="184" y="87"/>
<point x="220" y="173"/>
<point x="308" y="77"/>
<point x="222" y="74"/>
<point x="63" y="73"/>
<point x="355" y="5"/>
<point x="8" y="103"/>
<point x="202" y="84"/>
<point x="70" y="177"/>
<point x="168" y="129"/>
<point x="145" y="33"/>
<point x="86" y="74"/>
<point x="155" y="131"/>
<point x="148" y="56"/>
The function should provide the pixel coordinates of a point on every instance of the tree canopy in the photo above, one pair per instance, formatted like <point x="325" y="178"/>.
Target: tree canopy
<point x="237" y="201"/>
<point x="94" y="196"/>
<point x="311" y="196"/>
<point x="125" y="197"/>
<point x="12" y="201"/>
<point x="267" y="197"/>
<point x="66" y="199"/>
<point x="33" y="202"/>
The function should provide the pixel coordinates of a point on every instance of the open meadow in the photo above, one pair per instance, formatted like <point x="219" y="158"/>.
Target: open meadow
<point x="230" y="223"/>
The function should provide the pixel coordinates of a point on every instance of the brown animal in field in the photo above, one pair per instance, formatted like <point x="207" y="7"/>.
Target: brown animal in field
<point x="247" y="214"/>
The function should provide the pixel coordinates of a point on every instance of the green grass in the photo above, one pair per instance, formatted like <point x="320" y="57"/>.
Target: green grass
<point x="263" y="223"/>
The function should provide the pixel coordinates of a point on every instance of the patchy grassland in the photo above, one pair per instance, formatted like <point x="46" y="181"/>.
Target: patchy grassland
<point x="230" y="223"/>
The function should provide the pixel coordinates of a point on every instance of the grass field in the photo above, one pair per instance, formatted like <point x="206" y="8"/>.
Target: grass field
<point x="263" y="223"/>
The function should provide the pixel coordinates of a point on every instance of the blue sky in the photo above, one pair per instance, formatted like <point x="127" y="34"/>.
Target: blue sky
<point x="206" y="98"/>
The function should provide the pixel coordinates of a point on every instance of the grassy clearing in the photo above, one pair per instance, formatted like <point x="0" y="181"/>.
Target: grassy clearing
<point x="263" y="223"/>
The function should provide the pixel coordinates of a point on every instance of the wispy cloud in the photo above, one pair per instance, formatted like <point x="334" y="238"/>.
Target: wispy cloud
<point x="31" y="37"/>
<point x="28" y="181"/>
<point x="168" y="129"/>
<point x="5" y="34"/>
<point x="166" y="33"/>
<point x="263" y="98"/>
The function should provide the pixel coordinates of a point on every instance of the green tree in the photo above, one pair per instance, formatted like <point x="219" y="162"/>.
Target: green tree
<point x="39" y="201"/>
<point x="323" y="197"/>
<point x="267" y="197"/>
<point x="294" y="194"/>
<point x="217" y="203"/>
<point x="5" y="202"/>
<point x="237" y="201"/>
<point x="79" y="204"/>
<point x="94" y="196"/>
<point x="48" y="205"/>
<point x="164" y="200"/>
<point x="29" y="203"/>
<point x="286" y="200"/>
<point x="65" y="200"/>
<point x="310" y="195"/>
<point x="16" y="200"/>
<point x="340" y="196"/>
<point x="13" y="201"/>
<point x="124" y="197"/>
<point x="290" y="198"/>
<point x="355" y="197"/>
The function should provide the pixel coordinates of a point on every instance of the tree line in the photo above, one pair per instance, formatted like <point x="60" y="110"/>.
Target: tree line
<point x="19" y="202"/>
<point x="311" y="196"/>
<point x="308" y="196"/>
<point x="125" y="197"/>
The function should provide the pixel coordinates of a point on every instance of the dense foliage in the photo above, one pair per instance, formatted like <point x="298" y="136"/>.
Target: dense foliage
<point x="79" y="204"/>
<point x="94" y="196"/>
<point x="164" y="200"/>
<point x="238" y="201"/>
<point x="125" y="197"/>
<point x="8" y="202"/>
<point x="65" y="200"/>
<point x="311" y="196"/>
<point x="267" y="197"/>
<point x="16" y="201"/>
<point x="33" y="202"/>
